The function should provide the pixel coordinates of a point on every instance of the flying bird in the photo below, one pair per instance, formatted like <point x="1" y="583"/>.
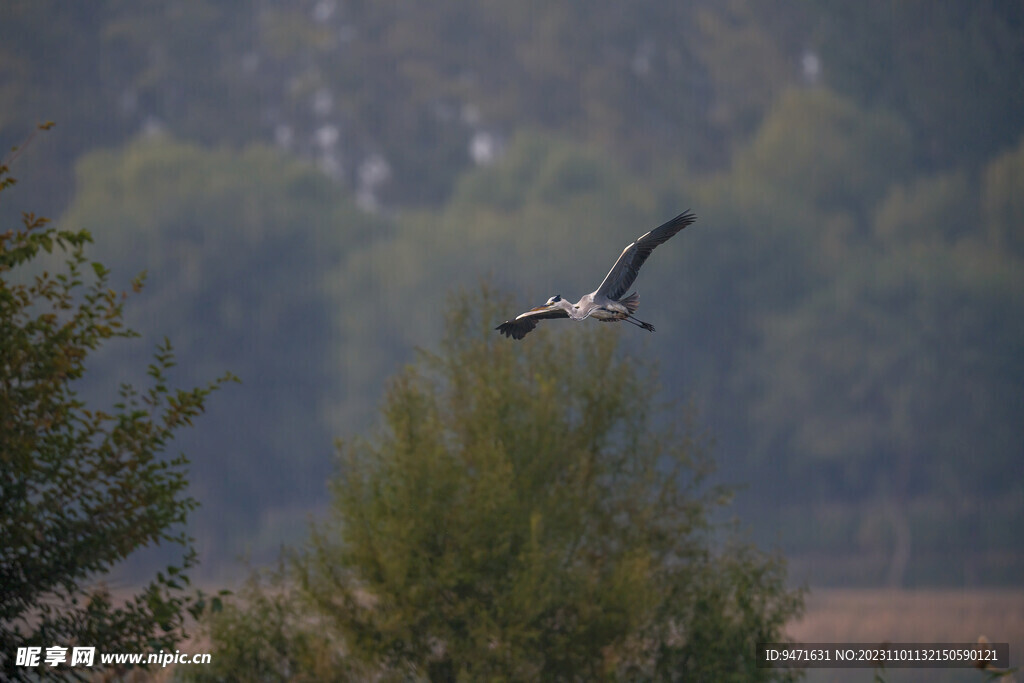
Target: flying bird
<point x="606" y="303"/>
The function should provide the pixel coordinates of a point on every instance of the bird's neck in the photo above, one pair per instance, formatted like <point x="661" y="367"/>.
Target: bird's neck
<point x="574" y="310"/>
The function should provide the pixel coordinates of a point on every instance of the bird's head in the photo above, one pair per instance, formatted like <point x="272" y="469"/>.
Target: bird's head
<point x="549" y="304"/>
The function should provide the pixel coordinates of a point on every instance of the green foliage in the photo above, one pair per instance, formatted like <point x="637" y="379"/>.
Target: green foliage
<point x="212" y="73"/>
<point x="853" y="329"/>
<point x="541" y="171"/>
<point x="817" y="147"/>
<point x="871" y="371"/>
<point x="740" y="46"/>
<point x="521" y="518"/>
<point x="898" y="386"/>
<point x="935" y="210"/>
<point x="1003" y="201"/>
<point x="239" y="248"/>
<point x="266" y="632"/>
<point x="82" y="489"/>
<point x="903" y="145"/>
<point x="945" y="70"/>
<point x="784" y="220"/>
<point x="656" y="80"/>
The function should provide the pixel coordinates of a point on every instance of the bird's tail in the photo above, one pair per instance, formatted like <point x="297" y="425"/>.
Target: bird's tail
<point x="631" y="302"/>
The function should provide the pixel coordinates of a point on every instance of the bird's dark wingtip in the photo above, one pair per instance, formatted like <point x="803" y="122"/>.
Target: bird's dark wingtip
<point x="511" y="330"/>
<point x="686" y="217"/>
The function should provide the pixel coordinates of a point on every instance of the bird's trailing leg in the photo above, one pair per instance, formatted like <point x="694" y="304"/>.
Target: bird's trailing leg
<point x="625" y="317"/>
<point x="639" y="323"/>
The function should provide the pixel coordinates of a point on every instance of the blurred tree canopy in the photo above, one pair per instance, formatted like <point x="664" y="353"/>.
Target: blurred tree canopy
<point x="519" y="516"/>
<point x="902" y="369"/>
<point x="817" y="148"/>
<point x="856" y="168"/>
<point x="1002" y="202"/>
<point x="352" y="84"/>
<point x="239" y="248"/>
<point x="945" y="70"/>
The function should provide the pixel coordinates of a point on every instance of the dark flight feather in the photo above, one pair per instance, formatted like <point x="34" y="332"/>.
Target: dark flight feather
<point x="621" y="276"/>
<point x="524" y="324"/>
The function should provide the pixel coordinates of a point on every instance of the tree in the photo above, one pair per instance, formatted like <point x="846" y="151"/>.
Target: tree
<point x="818" y="147"/>
<point x="1002" y="202"/>
<point x="82" y="489"/>
<point x="937" y="209"/>
<point x="908" y="58"/>
<point x="886" y="388"/>
<point x="522" y="515"/>
<point x="268" y="632"/>
<point x="241" y="248"/>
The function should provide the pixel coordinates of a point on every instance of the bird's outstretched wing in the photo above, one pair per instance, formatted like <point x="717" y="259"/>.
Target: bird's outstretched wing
<point x="524" y="324"/>
<point x="620" y="278"/>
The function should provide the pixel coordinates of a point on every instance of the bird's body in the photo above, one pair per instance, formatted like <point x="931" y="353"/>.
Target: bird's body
<point x="606" y="303"/>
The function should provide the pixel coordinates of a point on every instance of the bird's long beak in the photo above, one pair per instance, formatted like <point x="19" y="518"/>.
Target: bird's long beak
<point x="542" y="307"/>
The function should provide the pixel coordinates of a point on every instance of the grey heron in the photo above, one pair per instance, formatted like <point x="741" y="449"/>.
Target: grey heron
<point x="607" y="303"/>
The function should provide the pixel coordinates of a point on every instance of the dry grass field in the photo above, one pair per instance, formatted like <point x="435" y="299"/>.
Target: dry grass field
<point x="877" y="615"/>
